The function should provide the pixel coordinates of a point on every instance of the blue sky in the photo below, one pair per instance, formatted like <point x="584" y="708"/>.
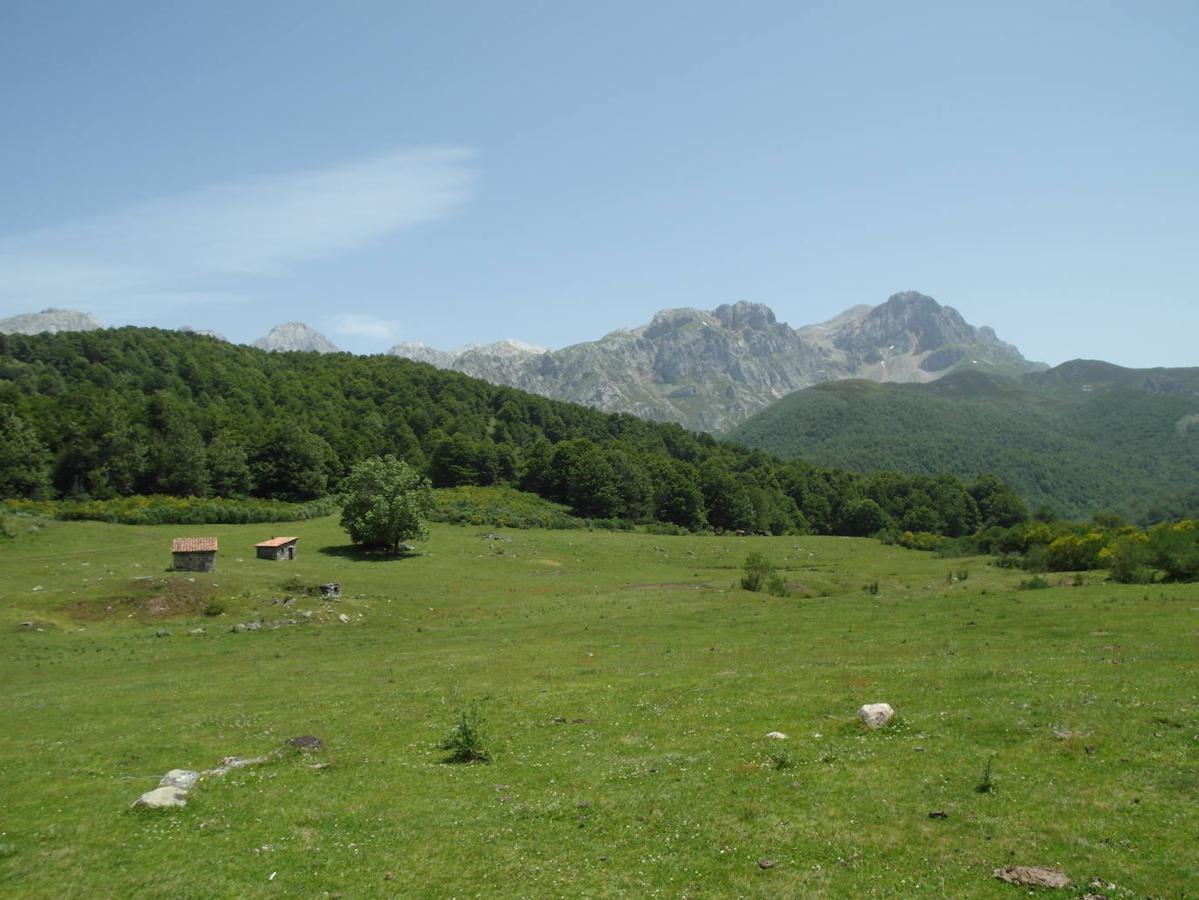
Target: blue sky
<point x="458" y="172"/>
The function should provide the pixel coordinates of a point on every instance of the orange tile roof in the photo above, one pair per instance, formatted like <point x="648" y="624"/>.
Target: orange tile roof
<point x="193" y="545"/>
<point x="277" y="542"/>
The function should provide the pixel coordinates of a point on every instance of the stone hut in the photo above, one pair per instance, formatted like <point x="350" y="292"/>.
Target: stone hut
<point x="194" y="554"/>
<point x="277" y="548"/>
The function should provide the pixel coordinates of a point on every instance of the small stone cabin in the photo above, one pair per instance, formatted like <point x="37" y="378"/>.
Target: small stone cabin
<point x="277" y="548"/>
<point x="194" y="554"/>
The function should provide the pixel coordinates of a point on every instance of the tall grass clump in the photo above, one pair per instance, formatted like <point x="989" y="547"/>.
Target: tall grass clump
<point x="467" y="740"/>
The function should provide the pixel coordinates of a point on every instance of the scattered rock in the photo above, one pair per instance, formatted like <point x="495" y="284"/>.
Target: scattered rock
<point x="306" y="613"/>
<point x="246" y="626"/>
<point x="161" y="798"/>
<point x="229" y="763"/>
<point x="766" y="864"/>
<point x="1064" y="734"/>
<point x="938" y="814"/>
<point x="876" y="715"/>
<point x="343" y="619"/>
<point x="306" y="742"/>
<point x="777" y="736"/>
<point x="1033" y="876"/>
<point x="184" y="779"/>
<point x="331" y="591"/>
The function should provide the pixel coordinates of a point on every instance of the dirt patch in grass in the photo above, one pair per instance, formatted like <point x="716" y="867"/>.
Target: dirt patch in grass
<point x="149" y="599"/>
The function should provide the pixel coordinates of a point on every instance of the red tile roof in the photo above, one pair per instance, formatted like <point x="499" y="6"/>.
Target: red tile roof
<point x="193" y="545"/>
<point x="277" y="542"/>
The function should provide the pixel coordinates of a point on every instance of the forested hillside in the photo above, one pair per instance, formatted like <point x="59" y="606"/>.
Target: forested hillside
<point x="135" y="411"/>
<point x="1083" y="437"/>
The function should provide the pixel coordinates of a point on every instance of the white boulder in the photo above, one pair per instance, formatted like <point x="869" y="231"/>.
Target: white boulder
<point x="876" y="715"/>
<point x="161" y="798"/>
<point x="185" y="779"/>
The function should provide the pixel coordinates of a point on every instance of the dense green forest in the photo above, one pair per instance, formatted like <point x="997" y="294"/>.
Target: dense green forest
<point x="135" y="411"/>
<point x="1083" y="437"/>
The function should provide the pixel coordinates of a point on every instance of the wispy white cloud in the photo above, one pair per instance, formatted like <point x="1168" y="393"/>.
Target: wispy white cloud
<point x="256" y="228"/>
<point x="363" y="325"/>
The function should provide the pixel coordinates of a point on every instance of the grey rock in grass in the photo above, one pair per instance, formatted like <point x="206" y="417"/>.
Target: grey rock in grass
<point x="306" y="742"/>
<point x="1033" y="876"/>
<point x="876" y="715"/>
<point x="197" y="632"/>
<point x="166" y="797"/>
<point x="162" y="632"/>
<point x="184" y="779"/>
<point x="777" y="736"/>
<point x="343" y="619"/>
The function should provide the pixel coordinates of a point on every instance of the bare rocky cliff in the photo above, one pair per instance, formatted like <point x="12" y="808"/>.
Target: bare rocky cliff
<point x="295" y="336"/>
<point x="711" y="370"/>
<point x="51" y="320"/>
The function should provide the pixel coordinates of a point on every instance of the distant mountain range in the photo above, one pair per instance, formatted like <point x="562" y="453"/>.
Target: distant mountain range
<point x="906" y="385"/>
<point x="710" y="371"/>
<point x="1082" y="437"/>
<point x="289" y="336"/>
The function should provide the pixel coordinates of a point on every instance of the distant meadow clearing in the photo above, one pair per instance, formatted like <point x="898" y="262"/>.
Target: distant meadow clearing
<point x="623" y="689"/>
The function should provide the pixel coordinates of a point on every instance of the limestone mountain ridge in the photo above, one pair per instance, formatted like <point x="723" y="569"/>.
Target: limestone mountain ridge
<point x="711" y="370"/>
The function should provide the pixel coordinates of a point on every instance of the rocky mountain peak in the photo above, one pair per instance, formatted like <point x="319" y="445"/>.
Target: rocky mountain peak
<point x="745" y="315"/>
<point x="51" y="320"/>
<point x="292" y="336"/>
<point x="909" y="322"/>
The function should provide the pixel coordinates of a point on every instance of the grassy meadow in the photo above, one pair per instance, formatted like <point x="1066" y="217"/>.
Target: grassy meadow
<point x="628" y="689"/>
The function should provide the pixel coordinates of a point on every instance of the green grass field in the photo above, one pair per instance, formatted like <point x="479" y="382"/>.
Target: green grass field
<point x="628" y="690"/>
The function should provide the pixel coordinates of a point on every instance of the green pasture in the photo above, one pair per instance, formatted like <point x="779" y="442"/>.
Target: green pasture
<point x="628" y="689"/>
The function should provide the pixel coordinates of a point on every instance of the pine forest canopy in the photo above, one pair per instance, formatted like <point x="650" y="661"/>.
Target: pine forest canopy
<point x="133" y="411"/>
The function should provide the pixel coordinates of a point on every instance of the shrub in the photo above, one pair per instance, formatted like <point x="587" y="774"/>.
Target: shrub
<point x="665" y="528"/>
<point x="920" y="540"/>
<point x="157" y="509"/>
<point x="1127" y="559"/>
<point x="500" y="507"/>
<point x="467" y="740"/>
<point x="758" y="572"/>
<point x="1036" y="583"/>
<point x="1175" y="550"/>
<point x="777" y="586"/>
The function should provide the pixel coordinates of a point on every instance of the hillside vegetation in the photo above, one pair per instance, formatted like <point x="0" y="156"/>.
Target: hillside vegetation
<point x="113" y="413"/>
<point x="1083" y="437"/>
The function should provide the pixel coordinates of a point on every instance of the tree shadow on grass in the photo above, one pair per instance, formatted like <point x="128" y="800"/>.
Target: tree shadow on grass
<point x="362" y="554"/>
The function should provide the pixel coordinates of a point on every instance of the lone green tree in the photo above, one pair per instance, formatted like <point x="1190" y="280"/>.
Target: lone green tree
<point x="384" y="503"/>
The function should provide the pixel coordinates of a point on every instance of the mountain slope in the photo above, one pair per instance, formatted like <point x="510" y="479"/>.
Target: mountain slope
<point x="1080" y="437"/>
<point x="712" y="370"/>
